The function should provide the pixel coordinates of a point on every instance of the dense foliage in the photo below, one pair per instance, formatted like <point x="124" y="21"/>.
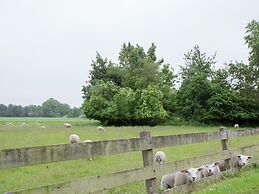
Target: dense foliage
<point x="49" y="108"/>
<point x="140" y="89"/>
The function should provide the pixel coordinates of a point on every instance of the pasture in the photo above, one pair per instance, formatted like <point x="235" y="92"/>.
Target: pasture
<point x="27" y="132"/>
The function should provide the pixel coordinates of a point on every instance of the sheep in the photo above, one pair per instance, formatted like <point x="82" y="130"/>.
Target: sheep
<point x="74" y="138"/>
<point x="87" y="141"/>
<point x="187" y="176"/>
<point x="8" y="124"/>
<point x="224" y="165"/>
<point x="167" y="181"/>
<point x="43" y="127"/>
<point x="236" y="126"/>
<point x="210" y="169"/>
<point x="239" y="161"/>
<point x="100" y="128"/>
<point x="67" y="125"/>
<point x="160" y="157"/>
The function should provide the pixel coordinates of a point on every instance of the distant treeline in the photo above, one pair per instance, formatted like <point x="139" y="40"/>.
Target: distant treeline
<point x="49" y="108"/>
<point x="140" y="88"/>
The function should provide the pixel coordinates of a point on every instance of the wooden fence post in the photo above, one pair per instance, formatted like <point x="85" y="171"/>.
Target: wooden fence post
<point x="148" y="161"/>
<point x="224" y="138"/>
<point x="224" y="142"/>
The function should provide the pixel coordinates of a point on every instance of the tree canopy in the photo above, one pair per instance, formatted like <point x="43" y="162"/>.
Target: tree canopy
<point x="140" y="88"/>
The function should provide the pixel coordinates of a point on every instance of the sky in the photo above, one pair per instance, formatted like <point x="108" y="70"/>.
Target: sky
<point x="47" y="46"/>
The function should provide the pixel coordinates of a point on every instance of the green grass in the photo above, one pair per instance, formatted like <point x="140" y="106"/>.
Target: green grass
<point x="239" y="182"/>
<point x="31" y="134"/>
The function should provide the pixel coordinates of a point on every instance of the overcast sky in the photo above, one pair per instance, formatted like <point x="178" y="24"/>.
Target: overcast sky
<point x="46" y="47"/>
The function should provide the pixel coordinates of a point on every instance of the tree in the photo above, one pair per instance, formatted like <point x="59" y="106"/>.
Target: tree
<point x="33" y="111"/>
<point x="111" y="97"/>
<point x="195" y="89"/>
<point x="50" y="108"/>
<point x="3" y="110"/>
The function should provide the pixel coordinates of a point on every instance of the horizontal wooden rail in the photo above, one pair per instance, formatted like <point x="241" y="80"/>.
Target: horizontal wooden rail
<point x="56" y="153"/>
<point x="242" y="133"/>
<point x="181" y="139"/>
<point x="98" y="183"/>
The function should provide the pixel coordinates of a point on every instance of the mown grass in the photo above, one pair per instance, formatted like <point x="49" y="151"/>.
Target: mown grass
<point x="30" y="134"/>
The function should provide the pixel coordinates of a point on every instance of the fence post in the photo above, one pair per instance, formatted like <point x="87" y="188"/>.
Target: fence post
<point x="147" y="156"/>
<point x="224" y="142"/>
<point x="224" y="138"/>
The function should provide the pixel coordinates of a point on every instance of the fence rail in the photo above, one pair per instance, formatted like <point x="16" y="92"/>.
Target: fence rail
<point x="57" y="153"/>
<point x="146" y="144"/>
<point x="99" y="183"/>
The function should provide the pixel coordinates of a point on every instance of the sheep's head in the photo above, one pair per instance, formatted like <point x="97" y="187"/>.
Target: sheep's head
<point x="243" y="160"/>
<point x="192" y="174"/>
<point x="212" y="167"/>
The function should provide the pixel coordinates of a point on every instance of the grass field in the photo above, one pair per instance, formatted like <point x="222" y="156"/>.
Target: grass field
<point x="27" y="132"/>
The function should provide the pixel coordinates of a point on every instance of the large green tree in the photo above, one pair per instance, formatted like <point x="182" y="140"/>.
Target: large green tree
<point x="111" y="97"/>
<point x="195" y="89"/>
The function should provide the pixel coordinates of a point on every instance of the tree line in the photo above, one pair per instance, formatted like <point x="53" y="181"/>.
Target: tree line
<point x="49" y="108"/>
<point x="141" y="89"/>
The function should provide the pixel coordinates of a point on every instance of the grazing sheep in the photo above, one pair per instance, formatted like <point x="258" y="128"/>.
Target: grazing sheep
<point x="239" y="161"/>
<point x="224" y="165"/>
<point x="74" y="138"/>
<point x="236" y="126"/>
<point x="160" y="157"/>
<point x="43" y="127"/>
<point x="67" y="125"/>
<point x="210" y="169"/>
<point x="87" y="141"/>
<point x="167" y="181"/>
<point x="100" y="128"/>
<point x="187" y="176"/>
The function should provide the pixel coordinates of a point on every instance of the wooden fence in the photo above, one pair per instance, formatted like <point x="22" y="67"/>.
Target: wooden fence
<point x="56" y="153"/>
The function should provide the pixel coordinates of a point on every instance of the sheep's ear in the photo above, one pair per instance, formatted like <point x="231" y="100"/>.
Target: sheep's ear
<point x="249" y="157"/>
<point x="185" y="170"/>
<point x="199" y="169"/>
<point x="216" y="163"/>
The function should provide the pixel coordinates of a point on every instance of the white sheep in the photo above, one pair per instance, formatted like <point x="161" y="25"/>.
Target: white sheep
<point x="100" y="128"/>
<point x="43" y="127"/>
<point x="160" y="157"/>
<point x="167" y="181"/>
<point x="67" y="125"/>
<point x="239" y="161"/>
<point x="87" y="141"/>
<point x="74" y="138"/>
<point x="210" y="169"/>
<point x="187" y="176"/>
<point x="236" y="126"/>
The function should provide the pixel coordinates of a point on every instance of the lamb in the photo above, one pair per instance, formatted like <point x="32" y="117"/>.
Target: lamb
<point x="239" y="161"/>
<point x="186" y="176"/>
<point x="210" y="169"/>
<point x="67" y="125"/>
<point x="74" y="138"/>
<point x="87" y="141"/>
<point x="100" y="128"/>
<point x="160" y="157"/>
<point x="167" y="181"/>
<point x="236" y="126"/>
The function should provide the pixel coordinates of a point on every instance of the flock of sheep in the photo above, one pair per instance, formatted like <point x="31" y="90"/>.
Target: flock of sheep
<point x="194" y="174"/>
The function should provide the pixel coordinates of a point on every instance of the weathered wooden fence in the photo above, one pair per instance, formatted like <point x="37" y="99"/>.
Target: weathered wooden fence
<point x="56" y="153"/>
